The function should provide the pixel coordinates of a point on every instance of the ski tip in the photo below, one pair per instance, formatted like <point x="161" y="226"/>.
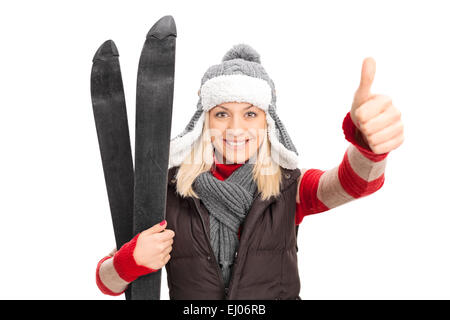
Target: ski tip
<point x="106" y="51"/>
<point x="163" y="28"/>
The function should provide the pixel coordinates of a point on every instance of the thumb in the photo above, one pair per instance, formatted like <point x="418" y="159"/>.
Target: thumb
<point x="160" y="226"/>
<point x="363" y="94"/>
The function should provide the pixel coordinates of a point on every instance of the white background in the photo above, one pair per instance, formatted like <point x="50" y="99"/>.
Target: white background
<point x="54" y="216"/>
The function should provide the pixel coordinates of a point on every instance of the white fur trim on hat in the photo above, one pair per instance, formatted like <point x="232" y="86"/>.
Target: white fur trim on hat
<point x="235" y="88"/>
<point x="180" y="147"/>
<point x="278" y="152"/>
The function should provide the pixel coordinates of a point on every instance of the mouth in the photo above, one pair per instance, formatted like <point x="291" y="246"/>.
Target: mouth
<point x="234" y="144"/>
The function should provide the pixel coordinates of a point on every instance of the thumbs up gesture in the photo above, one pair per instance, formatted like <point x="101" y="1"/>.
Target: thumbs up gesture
<point x="377" y="120"/>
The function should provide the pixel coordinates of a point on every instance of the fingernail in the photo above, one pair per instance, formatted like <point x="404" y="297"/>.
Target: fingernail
<point x="162" y="222"/>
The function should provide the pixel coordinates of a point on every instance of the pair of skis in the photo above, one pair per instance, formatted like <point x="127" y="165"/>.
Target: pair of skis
<point x="137" y="199"/>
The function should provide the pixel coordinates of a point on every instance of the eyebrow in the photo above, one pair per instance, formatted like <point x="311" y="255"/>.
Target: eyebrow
<point x="244" y="108"/>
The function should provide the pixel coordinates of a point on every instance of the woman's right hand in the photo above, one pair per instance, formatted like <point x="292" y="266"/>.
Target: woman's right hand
<point x="153" y="246"/>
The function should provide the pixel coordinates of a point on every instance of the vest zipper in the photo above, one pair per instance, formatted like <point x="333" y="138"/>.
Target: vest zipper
<point x="219" y="272"/>
<point x="236" y="254"/>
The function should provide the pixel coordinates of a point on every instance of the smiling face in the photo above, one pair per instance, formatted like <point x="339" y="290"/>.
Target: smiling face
<point x="237" y="130"/>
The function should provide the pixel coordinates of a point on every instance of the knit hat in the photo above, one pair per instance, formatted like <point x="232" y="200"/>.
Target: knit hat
<point x="239" y="78"/>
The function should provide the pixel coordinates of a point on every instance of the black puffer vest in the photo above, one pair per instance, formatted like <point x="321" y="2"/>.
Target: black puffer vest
<point x="265" y="265"/>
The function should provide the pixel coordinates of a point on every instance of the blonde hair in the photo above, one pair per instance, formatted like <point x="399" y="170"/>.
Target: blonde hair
<point x="266" y="173"/>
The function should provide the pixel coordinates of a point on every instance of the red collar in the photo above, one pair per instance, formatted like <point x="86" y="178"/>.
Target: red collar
<point x="222" y="171"/>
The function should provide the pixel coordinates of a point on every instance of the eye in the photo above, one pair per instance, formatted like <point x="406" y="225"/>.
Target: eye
<point x="219" y="113"/>
<point x="253" y="114"/>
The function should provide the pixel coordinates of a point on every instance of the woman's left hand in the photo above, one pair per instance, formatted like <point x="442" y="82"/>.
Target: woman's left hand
<point x="374" y="115"/>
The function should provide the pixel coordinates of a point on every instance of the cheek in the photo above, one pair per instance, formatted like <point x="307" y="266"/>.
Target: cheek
<point x="261" y="125"/>
<point x="215" y="134"/>
<point x="258" y="133"/>
<point x="215" y="130"/>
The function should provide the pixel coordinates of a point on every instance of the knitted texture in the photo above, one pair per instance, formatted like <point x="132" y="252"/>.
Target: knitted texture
<point x="104" y="289"/>
<point x="228" y="203"/>
<point x="360" y="173"/>
<point x="350" y="129"/>
<point x="240" y="77"/>
<point x="126" y="266"/>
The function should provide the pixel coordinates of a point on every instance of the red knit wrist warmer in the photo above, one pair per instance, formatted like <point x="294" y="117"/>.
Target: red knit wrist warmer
<point x="125" y="265"/>
<point x="104" y="289"/>
<point x="349" y="129"/>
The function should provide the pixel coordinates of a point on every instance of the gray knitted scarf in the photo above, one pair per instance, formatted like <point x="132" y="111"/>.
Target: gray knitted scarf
<point x="228" y="203"/>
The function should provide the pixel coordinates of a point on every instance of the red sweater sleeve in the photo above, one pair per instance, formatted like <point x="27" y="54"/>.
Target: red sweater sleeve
<point x="104" y="289"/>
<point x="124" y="266"/>
<point x="353" y="185"/>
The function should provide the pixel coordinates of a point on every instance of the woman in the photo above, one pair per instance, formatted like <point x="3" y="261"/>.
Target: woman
<point x="235" y="196"/>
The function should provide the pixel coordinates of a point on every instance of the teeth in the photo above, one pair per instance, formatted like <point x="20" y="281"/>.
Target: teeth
<point x="236" y="143"/>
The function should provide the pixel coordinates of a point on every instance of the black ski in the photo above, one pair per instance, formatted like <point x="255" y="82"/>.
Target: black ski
<point x="108" y="101"/>
<point x="154" y="98"/>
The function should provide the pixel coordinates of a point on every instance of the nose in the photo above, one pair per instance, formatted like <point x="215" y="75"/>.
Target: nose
<point x="236" y="123"/>
<point x="236" y="127"/>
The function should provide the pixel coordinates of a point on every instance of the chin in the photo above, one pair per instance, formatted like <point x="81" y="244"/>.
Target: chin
<point x="232" y="157"/>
